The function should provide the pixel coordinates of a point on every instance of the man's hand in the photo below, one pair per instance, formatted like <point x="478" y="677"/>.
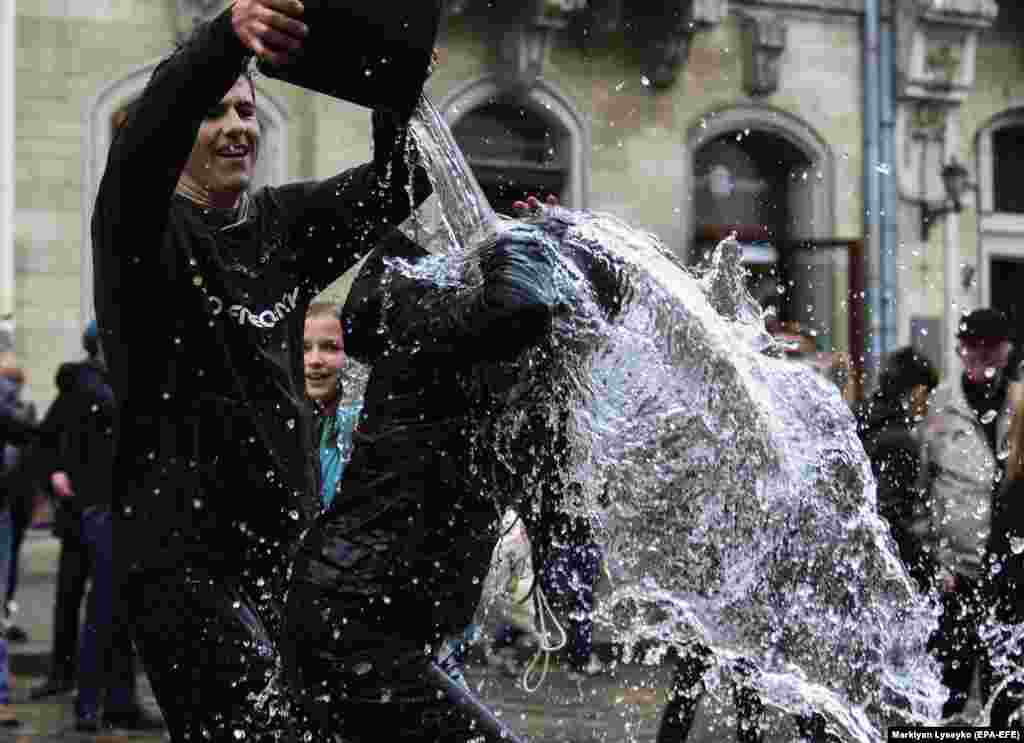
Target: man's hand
<point x="61" y="484"/>
<point x="270" y="28"/>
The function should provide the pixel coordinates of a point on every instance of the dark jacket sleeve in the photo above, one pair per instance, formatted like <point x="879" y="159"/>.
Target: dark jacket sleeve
<point x="145" y="161"/>
<point x="151" y="148"/>
<point x="342" y="218"/>
<point x="389" y="311"/>
<point x="48" y="454"/>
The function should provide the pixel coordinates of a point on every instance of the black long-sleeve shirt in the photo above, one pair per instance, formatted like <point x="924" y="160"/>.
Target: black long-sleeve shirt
<point x="202" y="325"/>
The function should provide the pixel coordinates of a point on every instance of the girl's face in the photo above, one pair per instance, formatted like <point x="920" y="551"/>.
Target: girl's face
<point x="323" y="357"/>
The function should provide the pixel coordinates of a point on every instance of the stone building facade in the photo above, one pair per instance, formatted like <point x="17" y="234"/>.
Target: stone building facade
<point x="687" y="118"/>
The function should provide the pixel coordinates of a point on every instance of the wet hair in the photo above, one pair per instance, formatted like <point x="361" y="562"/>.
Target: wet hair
<point x="904" y="369"/>
<point x="321" y="308"/>
<point x="129" y="111"/>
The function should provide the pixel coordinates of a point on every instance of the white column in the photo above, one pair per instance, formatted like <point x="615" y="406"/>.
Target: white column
<point x="7" y="64"/>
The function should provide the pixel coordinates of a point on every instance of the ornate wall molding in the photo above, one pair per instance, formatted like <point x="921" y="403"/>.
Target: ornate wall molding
<point x="764" y="41"/>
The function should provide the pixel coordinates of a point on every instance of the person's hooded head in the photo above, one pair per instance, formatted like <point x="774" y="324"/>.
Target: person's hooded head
<point x="908" y="377"/>
<point x="984" y="345"/>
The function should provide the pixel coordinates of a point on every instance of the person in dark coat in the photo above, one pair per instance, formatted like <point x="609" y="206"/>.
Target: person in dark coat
<point x="201" y="288"/>
<point x="1006" y="571"/>
<point x="75" y="457"/>
<point x="887" y="425"/>
<point x="57" y="453"/>
<point x="390" y="575"/>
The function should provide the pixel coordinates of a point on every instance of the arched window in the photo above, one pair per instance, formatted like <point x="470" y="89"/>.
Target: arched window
<point x="1007" y="163"/>
<point x="534" y="145"/>
<point x="767" y="176"/>
<point x="514" y="152"/>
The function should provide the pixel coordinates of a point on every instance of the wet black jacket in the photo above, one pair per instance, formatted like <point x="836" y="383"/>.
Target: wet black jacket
<point x="1006" y="547"/>
<point x="886" y="430"/>
<point x="407" y="542"/>
<point x="77" y="435"/>
<point x="202" y="323"/>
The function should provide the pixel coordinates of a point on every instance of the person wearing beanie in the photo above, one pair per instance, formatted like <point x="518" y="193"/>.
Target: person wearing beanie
<point x="965" y="430"/>
<point x="75" y="461"/>
<point x="73" y="565"/>
<point x="887" y="424"/>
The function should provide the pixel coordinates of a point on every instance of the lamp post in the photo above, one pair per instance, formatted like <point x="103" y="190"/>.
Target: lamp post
<point x="955" y="183"/>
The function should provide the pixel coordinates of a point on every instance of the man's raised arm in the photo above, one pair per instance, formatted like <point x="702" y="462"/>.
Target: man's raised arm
<point x="153" y="145"/>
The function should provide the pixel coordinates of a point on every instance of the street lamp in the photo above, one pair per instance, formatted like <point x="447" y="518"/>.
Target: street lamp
<point x="954" y="180"/>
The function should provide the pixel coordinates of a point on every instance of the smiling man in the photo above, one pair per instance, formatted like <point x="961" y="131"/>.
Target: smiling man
<point x="201" y="288"/>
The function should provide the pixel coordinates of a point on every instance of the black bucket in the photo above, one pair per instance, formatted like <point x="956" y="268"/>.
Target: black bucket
<point x="375" y="53"/>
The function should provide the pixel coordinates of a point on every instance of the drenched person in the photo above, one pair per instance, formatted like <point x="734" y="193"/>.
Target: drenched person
<point x="201" y="290"/>
<point x="76" y="459"/>
<point x="465" y="414"/>
<point x="888" y="426"/>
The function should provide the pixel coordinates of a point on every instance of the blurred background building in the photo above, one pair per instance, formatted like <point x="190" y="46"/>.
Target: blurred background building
<point x="864" y="151"/>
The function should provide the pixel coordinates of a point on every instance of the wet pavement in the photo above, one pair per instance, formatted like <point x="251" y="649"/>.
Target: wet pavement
<point x="620" y="705"/>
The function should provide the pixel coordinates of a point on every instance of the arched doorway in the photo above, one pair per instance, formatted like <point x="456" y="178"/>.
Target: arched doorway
<point x="516" y="146"/>
<point x="767" y="177"/>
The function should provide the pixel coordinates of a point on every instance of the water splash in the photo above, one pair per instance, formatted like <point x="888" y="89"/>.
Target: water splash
<point x="734" y="497"/>
<point x="457" y="215"/>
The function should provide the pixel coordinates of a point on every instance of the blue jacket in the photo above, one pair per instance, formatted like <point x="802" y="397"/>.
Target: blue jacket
<point x="336" y="448"/>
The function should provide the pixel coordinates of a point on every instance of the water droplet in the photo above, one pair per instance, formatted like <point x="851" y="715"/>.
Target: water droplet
<point x="239" y="734"/>
<point x="1016" y="545"/>
<point x="620" y="86"/>
<point x="645" y="81"/>
<point x="988" y="416"/>
<point x="883" y="168"/>
<point x="293" y="515"/>
<point x="290" y="423"/>
<point x="990" y="372"/>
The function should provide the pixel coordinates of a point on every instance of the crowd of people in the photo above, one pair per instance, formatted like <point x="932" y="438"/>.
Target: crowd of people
<point x="289" y="563"/>
<point x="947" y="459"/>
